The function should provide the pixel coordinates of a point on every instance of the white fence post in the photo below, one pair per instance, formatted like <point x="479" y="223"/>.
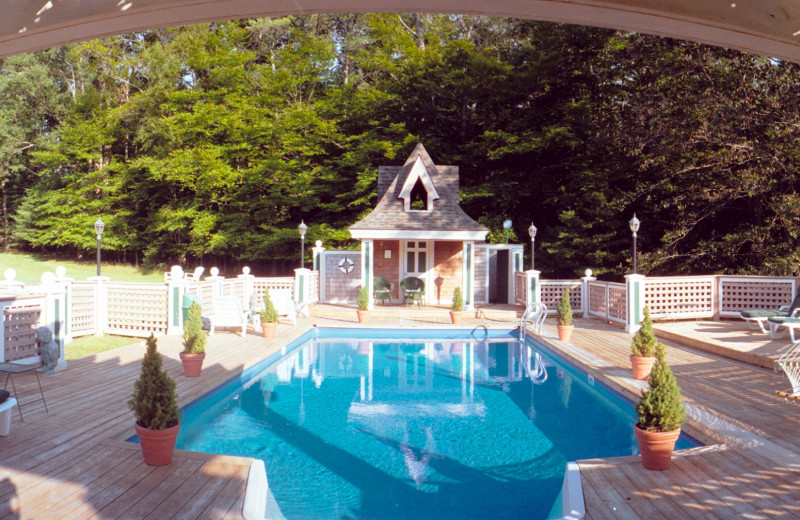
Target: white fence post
<point x="585" y="292"/>
<point x="534" y="287"/>
<point x="317" y="255"/>
<point x="216" y="279"/>
<point x="100" y="304"/>
<point x="249" y="286"/>
<point x="634" y="285"/>
<point x="302" y="290"/>
<point x="176" y="288"/>
<point x="65" y="283"/>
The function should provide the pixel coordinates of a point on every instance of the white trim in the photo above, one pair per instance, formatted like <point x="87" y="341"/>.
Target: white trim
<point x="410" y="234"/>
<point x="418" y="172"/>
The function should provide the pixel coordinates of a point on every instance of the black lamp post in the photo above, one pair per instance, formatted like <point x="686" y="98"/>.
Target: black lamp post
<point x="634" y="224"/>
<point x="532" y="233"/>
<point x="507" y="226"/>
<point x="302" y="228"/>
<point x="98" y="228"/>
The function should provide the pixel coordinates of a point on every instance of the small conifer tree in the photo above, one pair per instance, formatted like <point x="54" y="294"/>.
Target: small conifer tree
<point x="644" y="342"/>
<point x="363" y="298"/>
<point x="458" y="300"/>
<point x="564" y="310"/>
<point x="270" y="313"/>
<point x="154" y="402"/>
<point x="194" y="339"/>
<point x="660" y="407"/>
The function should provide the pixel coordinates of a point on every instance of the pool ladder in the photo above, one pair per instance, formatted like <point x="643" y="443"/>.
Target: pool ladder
<point x="535" y="314"/>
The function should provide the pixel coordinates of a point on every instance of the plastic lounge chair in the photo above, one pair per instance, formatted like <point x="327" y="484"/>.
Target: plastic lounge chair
<point x="788" y="322"/>
<point x="284" y="303"/>
<point x="413" y="290"/>
<point x="195" y="276"/>
<point x="759" y="317"/>
<point x="228" y="313"/>
<point x="382" y="289"/>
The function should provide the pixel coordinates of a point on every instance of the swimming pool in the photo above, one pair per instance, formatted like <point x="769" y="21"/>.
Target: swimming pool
<point x="412" y="424"/>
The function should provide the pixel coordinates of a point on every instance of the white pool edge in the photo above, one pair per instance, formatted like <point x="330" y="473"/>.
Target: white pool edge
<point x="572" y="504"/>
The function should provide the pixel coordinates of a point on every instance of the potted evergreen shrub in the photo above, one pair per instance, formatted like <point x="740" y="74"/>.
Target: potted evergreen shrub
<point x="457" y="307"/>
<point x="643" y="348"/>
<point x="564" y="317"/>
<point x="363" y="304"/>
<point x="155" y="407"/>
<point x="660" y="415"/>
<point x="269" y="317"/>
<point x="194" y="342"/>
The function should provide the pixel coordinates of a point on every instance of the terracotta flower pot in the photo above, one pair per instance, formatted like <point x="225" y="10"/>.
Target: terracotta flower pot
<point x="192" y="364"/>
<point x="363" y="316"/>
<point x="268" y="329"/>
<point x="455" y="317"/>
<point x="656" y="447"/>
<point x="157" y="445"/>
<point x="642" y="366"/>
<point x="564" y="332"/>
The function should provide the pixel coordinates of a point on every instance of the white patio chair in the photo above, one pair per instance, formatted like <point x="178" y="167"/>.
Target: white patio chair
<point x="284" y="304"/>
<point x="228" y="312"/>
<point x="195" y="276"/>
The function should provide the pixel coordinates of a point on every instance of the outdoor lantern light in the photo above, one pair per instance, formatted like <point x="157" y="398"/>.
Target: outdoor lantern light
<point x="507" y="226"/>
<point x="634" y="223"/>
<point x="532" y="233"/>
<point x="98" y="228"/>
<point x="302" y="228"/>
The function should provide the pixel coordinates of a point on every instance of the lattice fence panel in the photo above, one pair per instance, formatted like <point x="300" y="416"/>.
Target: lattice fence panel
<point x="260" y="286"/>
<point x="520" y="288"/>
<point x="617" y="308"/>
<point x="136" y="309"/>
<point x="82" y="314"/>
<point x="552" y="291"/>
<point x="20" y="324"/>
<point x="598" y="299"/>
<point x="680" y="297"/>
<point x="738" y="294"/>
<point x="205" y="291"/>
<point x="232" y="288"/>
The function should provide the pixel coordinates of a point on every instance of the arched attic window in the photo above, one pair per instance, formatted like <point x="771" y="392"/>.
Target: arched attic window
<point x="418" y="192"/>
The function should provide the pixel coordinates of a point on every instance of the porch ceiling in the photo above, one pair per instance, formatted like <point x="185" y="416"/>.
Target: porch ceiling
<point x="768" y="27"/>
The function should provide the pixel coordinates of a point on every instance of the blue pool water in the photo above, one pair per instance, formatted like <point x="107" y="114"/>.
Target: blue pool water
<point x="401" y="427"/>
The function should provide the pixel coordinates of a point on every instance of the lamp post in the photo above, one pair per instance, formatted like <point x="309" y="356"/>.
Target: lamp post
<point x="507" y="226"/>
<point x="532" y="233"/>
<point x="302" y="228"/>
<point x="634" y="224"/>
<point x="98" y="228"/>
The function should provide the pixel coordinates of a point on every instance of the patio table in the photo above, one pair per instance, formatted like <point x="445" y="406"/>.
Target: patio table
<point x="18" y="368"/>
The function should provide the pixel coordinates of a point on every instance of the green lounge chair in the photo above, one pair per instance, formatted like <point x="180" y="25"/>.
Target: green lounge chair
<point x="382" y="289"/>
<point x="788" y="322"/>
<point x="761" y="316"/>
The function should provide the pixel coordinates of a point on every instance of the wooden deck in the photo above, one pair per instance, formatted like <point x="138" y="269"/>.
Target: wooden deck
<point x="71" y="463"/>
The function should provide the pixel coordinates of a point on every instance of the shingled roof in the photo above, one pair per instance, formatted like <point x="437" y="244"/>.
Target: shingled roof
<point x="445" y="220"/>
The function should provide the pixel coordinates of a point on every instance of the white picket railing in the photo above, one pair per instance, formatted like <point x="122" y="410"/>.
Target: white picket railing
<point x="680" y="297"/>
<point x="553" y="289"/>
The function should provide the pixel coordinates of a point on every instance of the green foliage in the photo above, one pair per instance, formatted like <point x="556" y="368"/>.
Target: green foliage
<point x="213" y="142"/>
<point x="194" y="338"/>
<point x="154" y="402"/>
<point x="269" y="314"/>
<point x="564" y="309"/>
<point x="363" y="298"/>
<point x="644" y="342"/>
<point x="458" y="300"/>
<point x="660" y="407"/>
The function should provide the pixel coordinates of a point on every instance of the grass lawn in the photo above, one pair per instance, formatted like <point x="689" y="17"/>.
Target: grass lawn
<point x="30" y="267"/>
<point x="89" y="345"/>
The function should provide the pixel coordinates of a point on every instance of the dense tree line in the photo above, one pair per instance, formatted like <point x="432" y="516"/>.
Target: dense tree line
<point x="210" y="143"/>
